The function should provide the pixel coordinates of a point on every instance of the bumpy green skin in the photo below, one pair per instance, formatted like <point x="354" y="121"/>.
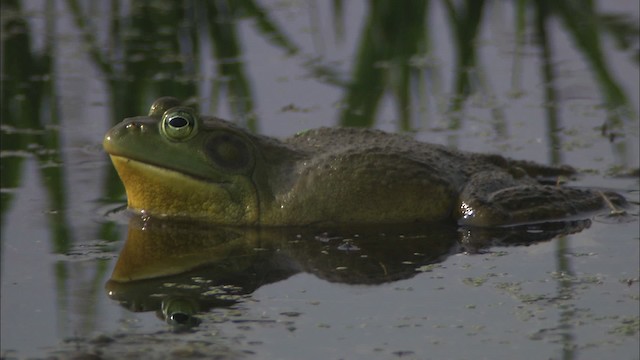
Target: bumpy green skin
<point x="328" y="176"/>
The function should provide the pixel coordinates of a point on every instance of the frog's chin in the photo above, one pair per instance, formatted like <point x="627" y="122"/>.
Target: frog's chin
<point x="162" y="192"/>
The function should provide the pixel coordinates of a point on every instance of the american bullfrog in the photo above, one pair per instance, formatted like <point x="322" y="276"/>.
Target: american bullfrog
<point x="176" y="163"/>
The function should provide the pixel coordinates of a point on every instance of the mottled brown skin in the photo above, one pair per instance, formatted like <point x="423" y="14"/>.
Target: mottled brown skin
<point x="223" y="174"/>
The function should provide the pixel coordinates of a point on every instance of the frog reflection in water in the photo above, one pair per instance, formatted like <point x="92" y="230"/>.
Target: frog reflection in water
<point x="181" y="269"/>
<point x="175" y="163"/>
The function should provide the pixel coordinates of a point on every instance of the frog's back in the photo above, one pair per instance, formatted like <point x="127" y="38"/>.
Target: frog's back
<point x="456" y="166"/>
<point x="445" y="160"/>
<point x="331" y="140"/>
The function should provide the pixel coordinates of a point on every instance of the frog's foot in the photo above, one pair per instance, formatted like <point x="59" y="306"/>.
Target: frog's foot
<point x="532" y="203"/>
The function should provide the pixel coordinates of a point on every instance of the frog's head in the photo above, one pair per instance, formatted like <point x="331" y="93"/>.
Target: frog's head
<point x="175" y="163"/>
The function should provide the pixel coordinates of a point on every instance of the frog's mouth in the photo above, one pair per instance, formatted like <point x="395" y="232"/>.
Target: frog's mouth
<point x="160" y="191"/>
<point x="161" y="168"/>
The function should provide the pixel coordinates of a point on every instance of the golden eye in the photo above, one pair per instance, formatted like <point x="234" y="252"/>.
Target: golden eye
<point x="179" y="124"/>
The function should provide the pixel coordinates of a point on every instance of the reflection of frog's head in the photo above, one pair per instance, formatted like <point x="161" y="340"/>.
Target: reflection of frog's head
<point x="156" y="248"/>
<point x="211" y="266"/>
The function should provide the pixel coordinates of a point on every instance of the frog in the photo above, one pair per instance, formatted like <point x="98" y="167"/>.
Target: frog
<point x="176" y="163"/>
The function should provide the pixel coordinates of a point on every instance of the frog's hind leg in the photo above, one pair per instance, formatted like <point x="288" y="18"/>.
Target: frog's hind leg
<point x="493" y="200"/>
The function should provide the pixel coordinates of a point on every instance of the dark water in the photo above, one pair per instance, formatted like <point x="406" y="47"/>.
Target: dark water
<point x="553" y="83"/>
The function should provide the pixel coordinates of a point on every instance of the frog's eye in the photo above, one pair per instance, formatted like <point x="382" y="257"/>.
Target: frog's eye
<point x="179" y="124"/>
<point x="229" y="151"/>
